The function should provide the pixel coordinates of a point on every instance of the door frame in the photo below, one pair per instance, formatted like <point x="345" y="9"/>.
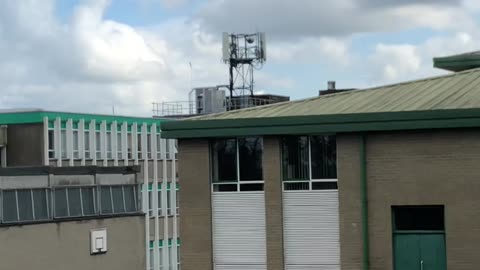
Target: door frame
<point x="395" y="231"/>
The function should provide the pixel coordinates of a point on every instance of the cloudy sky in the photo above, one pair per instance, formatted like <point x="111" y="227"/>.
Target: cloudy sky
<point x="92" y="55"/>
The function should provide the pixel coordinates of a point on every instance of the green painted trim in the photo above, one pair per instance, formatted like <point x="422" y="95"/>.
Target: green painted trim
<point x="37" y="117"/>
<point x="452" y="118"/>
<point x="364" y="197"/>
<point x="457" y="62"/>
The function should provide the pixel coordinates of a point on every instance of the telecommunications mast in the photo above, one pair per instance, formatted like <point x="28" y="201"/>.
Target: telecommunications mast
<point x="243" y="53"/>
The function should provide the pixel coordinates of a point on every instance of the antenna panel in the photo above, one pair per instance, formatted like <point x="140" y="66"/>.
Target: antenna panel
<point x="263" y="46"/>
<point x="226" y="47"/>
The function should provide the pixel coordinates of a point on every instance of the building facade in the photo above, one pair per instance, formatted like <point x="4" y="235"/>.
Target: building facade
<point x="71" y="219"/>
<point x="380" y="178"/>
<point x="71" y="141"/>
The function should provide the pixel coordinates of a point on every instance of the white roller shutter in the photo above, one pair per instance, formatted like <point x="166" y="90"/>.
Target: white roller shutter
<point x="311" y="230"/>
<point x="239" y="241"/>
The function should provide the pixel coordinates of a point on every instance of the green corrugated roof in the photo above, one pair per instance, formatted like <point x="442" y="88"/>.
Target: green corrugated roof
<point x="36" y="116"/>
<point x="445" y="96"/>
<point x="458" y="62"/>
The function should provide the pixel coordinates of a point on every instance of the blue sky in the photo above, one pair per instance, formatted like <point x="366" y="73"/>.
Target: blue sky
<point x="79" y="55"/>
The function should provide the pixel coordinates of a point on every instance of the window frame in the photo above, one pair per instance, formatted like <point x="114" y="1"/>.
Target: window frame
<point x="311" y="181"/>
<point x="238" y="182"/>
<point x="17" y="207"/>
<point x="66" y="188"/>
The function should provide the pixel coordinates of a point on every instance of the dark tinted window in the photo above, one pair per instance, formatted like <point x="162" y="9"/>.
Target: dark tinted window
<point x="295" y="158"/>
<point x="61" y="209"/>
<point x="224" y="159"/>
<point x="250" y="155"/>
<point x="118" y="199"/>
<point x="251" y="187"/>
<point x="74" y="202"/>
<point x="88" y="198"/>
<point x="25" y="207"/>
<point x="225" y="187"/>
<point x="40" y="203"/>
<point x="9" y="206"/>
<point x="324" y="157"/>
<point x="324" y="185"/>
<point x="419" y="218"/>
<point x="106" y="200"/>
<point x="130" y="204"/>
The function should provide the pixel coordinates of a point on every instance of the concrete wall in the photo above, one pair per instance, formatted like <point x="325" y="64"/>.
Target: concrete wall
<point x="411" y="168"/>
<point x="25" y="145"/>
<point x="195" y="205"/>
<point x="66" y="245"/>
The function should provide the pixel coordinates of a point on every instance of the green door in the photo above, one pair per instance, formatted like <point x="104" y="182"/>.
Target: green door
<point x="419" y="251"/>
<point x="432" y="251"/>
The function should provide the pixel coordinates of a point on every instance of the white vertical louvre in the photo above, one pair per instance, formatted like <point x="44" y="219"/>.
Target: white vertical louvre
<point x="46" y="158"/>
<point x="113" y="138"/>
<point x="93" y="142"/>
<point x="239" y="231"/>
<point x="311" y="230"/>
<point x="69" y="134"/>
<point x="81" y="141"/>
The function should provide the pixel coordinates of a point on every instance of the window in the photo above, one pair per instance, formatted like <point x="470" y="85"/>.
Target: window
<point x="25" y="205"/>
<point x="87" y="144"/>
<point x="129" y="143"/>
<point x="119" y="146"/>
<point x="418" y="218"/>
<point x="76" y="150"/>
<point x="63" y="136"/>
<point x="160" y="254"/>
<point x="74" y="201"/>
<point x="98" y="149"/>
<point x="149" y="146"/>
<point x="109" y="145"/>
<point x="237" y="164"/>
<point x="159" y="147"/>
<point x="51" y="143"/>
<point x="168" y="149"/>
<point x="309" y="162"/>
<point x="139" y="144"/>
<point x="118" y="199"/>
<point x="150" y="200"/>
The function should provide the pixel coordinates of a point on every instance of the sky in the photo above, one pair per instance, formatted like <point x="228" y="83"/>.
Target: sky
<point x="100" y="56"/>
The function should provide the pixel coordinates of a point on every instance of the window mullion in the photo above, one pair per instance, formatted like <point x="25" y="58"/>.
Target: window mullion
<point x="81" y="202"/>
<point x="68" y="201"/>
<point x="18" y="210"/>
<point x="309" y="162"/>
<point x="111" y="200"/>
<point x="238" y="164"/>
<point x="33" y="206"/>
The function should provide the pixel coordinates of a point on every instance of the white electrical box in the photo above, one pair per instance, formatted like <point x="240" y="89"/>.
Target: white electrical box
<point x="98" y="241"/>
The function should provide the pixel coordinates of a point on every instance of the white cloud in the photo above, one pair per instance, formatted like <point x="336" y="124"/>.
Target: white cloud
<point x="284" y="19"/>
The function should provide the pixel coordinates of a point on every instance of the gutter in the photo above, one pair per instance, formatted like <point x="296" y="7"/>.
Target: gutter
<point x="364" y="198"/>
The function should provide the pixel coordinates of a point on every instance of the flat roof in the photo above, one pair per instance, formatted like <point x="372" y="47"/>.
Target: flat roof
<point x="31" y="116"/>
<point x="446" y="101"/>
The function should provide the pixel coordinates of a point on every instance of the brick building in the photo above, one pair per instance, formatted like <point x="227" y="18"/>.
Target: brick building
<point x="379" y="178"/>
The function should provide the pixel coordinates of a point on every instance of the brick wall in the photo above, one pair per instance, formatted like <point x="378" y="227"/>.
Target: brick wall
<point x="411" y="168"/>
<point x="273" y="202"/>
<point x="195" y="205"/>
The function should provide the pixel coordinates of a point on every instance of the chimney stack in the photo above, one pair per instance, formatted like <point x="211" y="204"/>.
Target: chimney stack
<point x="331" y="85"/>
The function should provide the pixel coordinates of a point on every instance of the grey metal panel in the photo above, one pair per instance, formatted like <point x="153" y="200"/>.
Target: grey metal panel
<point x="69" y="180"/>
<point x="240" y="267"/>
<point x="116" y="179"/>
<point x="239" y="240"/>
<point x="33" y="181"/>
<point x="311" y="229"/>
